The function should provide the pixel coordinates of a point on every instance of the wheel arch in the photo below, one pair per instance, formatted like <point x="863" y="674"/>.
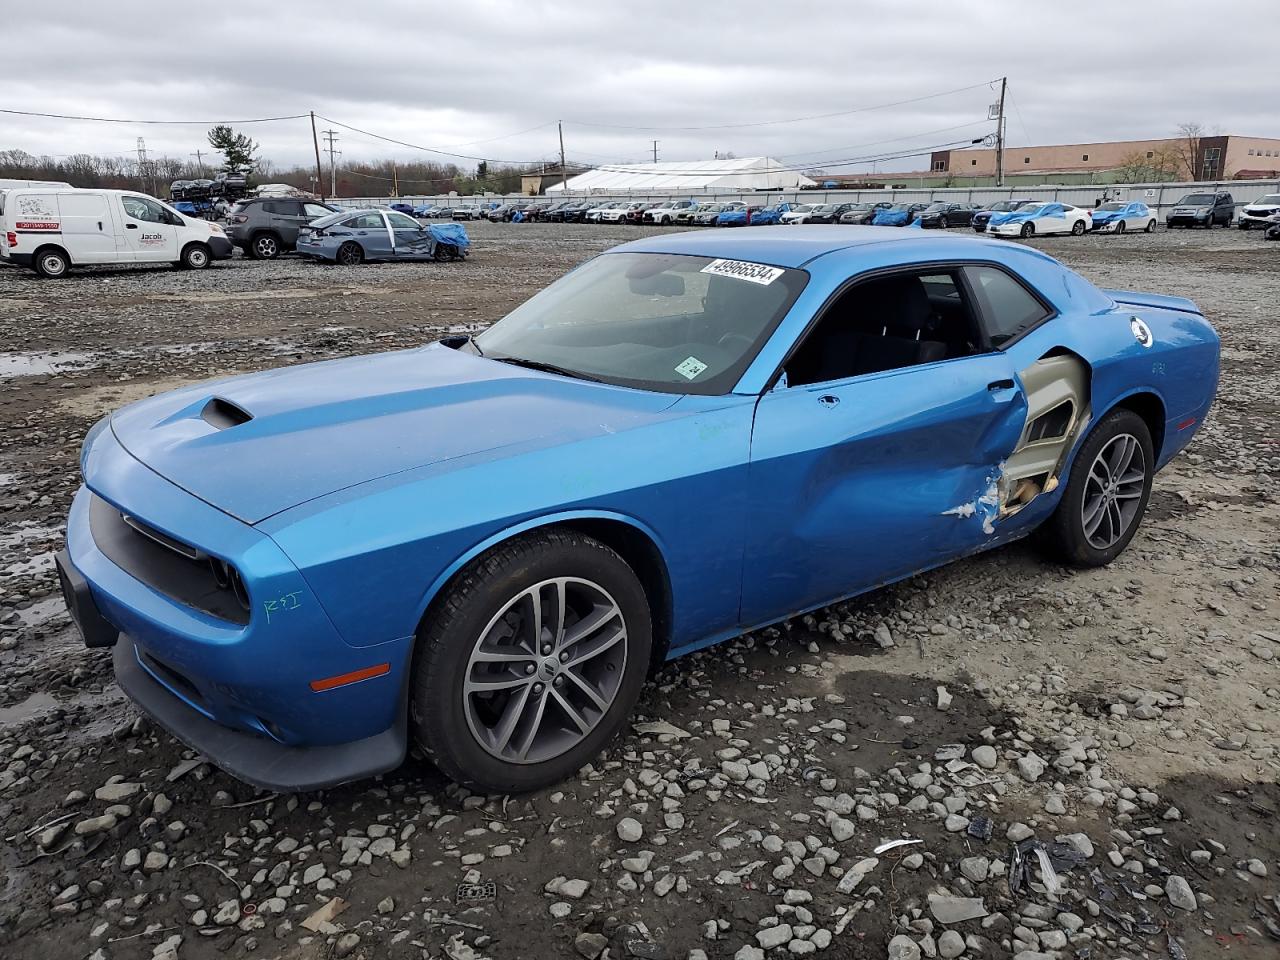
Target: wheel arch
<point x="193" y="243"/>
<point x="633" y="540"/>
<point x="1150" y="406"/>
<point x="53" y="246"/>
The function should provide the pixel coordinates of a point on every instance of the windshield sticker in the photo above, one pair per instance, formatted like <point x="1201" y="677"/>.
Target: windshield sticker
<point x="690" y="367"/>
<point x="742" y="270"/>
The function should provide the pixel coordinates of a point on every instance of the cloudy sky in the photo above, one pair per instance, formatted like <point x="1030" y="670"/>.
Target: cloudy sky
<point x="490" y="78"/>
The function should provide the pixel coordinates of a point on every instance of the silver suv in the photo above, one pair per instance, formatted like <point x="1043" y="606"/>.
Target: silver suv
<point x="265" y="227"/>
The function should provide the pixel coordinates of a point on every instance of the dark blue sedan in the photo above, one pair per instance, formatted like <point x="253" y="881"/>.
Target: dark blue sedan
<point x="481" y="545"/>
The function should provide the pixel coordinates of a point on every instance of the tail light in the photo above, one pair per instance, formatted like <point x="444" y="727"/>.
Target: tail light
<point x="11" y="238"/>
<point x="238" y="218"/>
<point x="315" y="231"/>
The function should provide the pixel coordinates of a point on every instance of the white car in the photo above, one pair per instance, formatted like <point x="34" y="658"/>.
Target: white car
<point x="1123" y="216"/>
<point x="1040" y="219"/>
<point x="798" y="214"/>
<point x="666" y="214"/>
<point x="595" y="213"/>
<point x="618" y="214"/>
<point x="1259" y="213"/>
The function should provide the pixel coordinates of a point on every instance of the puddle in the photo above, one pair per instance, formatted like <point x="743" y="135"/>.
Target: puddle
<point x="21" y="712"/>
<point x="107" y="710"/>
<point x="24" y="533"/>
<point x="33" y="566"/>
<point x="35" y="364"/>
<point x="42" y="611"/>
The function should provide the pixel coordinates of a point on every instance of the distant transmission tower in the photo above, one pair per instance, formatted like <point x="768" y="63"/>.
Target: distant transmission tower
<point x="143" y="165"/>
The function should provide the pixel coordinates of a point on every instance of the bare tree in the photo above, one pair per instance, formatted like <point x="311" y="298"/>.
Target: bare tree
<point x="1189" y="152"/>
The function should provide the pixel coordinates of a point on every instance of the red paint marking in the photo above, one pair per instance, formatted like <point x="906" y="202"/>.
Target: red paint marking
<point x="355" y="676"/>
<point x="1187" y="423"/>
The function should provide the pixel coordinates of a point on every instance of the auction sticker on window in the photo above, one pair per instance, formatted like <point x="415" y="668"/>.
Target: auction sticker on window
<point x="743" y="270"/>
<point x="690" y="367"/>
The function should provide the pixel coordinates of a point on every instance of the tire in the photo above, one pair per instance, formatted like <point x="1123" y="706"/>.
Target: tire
<point x="1065" y="533"/>
<point x="1028" y="230"/>
<point x="1151" y="227"/>
<point x="666" y="221"/>
<point x="1078" y="228"/>
<point x="350" y="254"/>
<point x="1244" y="225"/>
<point x="1120" y="228"/>
<point x="264" y="246"/>
<point x="195" y="256"/>
<point x="51" y="263"/>
<point x="461" y="731"/>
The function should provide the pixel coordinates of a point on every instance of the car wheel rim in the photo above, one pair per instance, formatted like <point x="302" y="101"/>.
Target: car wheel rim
<point x="545" y="670"/>
<point x="348" y="256"/>
<point x="196" y="258"/>
<point x="1113" y="491"/>
<point x="266" y="247"/>
<point x="52" y="265"/>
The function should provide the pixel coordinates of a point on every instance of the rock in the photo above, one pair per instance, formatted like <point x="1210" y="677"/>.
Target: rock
<point x="735" y="771"/>
<point x="985" y="756"/>
<point x="1030" y="767"/>
<point x="117" y="792"/>
<point x="87" y="828"/>
<point x="1256" y="867"/>
<point x="950" y="944"/>
<point x="842" y="829"/>
<point x="749" y="953"/>
<point x="1180" y="894"/>
<point x="956" y="909"/>
<point x="228" y="913"/>
<point x="313" y="873"/>
<point x="771" y="937"/>
<point x="1018" y="832"/>
<point x="903" y="947"/>
<point x="50" y="836"/>
<point x="161" y="805"/>
<point x="560" y="909"/>
<point x="956" y="823"/>
<point x="155" y="861"/>
<point x="944" y="699"/>
<point x="1054" y="805"/>
<point x="854" y="875"/>
<point x="629" y="830"/>
<point x="346" y="944"/>
<point x="639" y="863"/>
<point x="975" y="869"/>
<point x="574" y="889"/>
<point x="1080" y="841"/>
<point x="590" y="945"/>
<point x="386" y="905"/>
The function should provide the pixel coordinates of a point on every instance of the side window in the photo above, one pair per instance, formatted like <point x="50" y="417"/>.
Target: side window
<point x="885" y="323"/>
<point x="401" y="222"/>
<point x="1007" y="307"/>
<point x="315" y="210"/>
<point x="268" y="206"/>
<point x="366" y="221"/>
<point x="139" y="208"/>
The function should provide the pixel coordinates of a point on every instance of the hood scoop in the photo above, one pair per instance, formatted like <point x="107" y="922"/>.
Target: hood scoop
<point x="223" y="414"/>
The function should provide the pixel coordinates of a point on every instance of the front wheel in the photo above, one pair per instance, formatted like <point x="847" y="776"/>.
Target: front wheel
<point x="531" y="663"/>
<point x="1120" y="226"/>
<point x="1027" y="230"/>
<point x="350" y="254"/>
<point x="195" y="256"/>
<point x="1077" y="228"/>
<point x="1107" y="492"/>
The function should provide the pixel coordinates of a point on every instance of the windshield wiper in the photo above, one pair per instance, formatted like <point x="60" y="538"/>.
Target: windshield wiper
<point x="545" y="367"/>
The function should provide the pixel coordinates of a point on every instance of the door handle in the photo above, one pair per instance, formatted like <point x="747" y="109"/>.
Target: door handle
<point x="997" y="385"/>
<point x="828" y="400"/>
<point x="131" y="226"/>
<point x="99" y="224"/>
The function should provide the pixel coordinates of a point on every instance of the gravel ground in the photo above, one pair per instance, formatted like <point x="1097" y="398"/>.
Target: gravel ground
<point x="1086" y="762"/>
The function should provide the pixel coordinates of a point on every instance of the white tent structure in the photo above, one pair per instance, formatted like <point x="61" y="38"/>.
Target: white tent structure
<point x="669" y="176"/>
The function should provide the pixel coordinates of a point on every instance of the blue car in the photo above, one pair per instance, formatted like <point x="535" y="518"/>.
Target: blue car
<point x="352" y="237"/>
<point x="482" y="545"/>
<point x="1119" y="216"/>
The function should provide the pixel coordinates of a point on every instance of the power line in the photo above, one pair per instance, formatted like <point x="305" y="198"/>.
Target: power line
<point x="65" y="116"/>
<point x="766" y="123"/>
<point x="417" y="146"/>
<point x="876" y="143"/>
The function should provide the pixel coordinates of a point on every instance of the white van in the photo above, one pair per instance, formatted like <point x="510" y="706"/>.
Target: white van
<point x="53" y="229"/>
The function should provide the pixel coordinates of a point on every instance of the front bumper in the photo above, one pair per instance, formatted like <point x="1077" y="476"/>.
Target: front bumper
<point x="238" y="692"/>
<point x="1175" y="219"/>
<point x="221" y="248"/>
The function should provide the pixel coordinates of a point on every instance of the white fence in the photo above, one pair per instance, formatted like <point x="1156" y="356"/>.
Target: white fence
<point x="1159" y="196"/>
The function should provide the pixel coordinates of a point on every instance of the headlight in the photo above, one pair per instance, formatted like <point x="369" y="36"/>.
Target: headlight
<point x="216" y="228"/>
<point x="1201" y="211"/>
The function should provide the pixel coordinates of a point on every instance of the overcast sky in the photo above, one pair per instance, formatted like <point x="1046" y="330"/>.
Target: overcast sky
<point x="474" y="77"/>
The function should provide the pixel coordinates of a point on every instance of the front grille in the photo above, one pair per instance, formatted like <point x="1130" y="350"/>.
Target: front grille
<point x="178" y="570"/>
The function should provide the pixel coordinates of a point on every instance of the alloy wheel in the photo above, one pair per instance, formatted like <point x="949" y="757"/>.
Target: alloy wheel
<point x="545" y="670"/>
<point x="1113" y="490"/>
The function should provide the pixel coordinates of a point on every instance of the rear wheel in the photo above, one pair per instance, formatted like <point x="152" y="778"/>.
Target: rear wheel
<point x="265" y="246"/>
<point x="51" y="263"/>
<point x="350" y="254"/>
<point x="1106" y="494"/>
<point x="1151" y="226"/>
<point x="532" y="663"/>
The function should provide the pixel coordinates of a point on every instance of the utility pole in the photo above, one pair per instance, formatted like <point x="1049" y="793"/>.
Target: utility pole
<point x="199" y="155"/>
<point x="316" y="143"/>
<point x="1000" y="134"/>
<point x="560" y="128"/>
<point x="655" y="151"/>
<point x="331" y="137"/>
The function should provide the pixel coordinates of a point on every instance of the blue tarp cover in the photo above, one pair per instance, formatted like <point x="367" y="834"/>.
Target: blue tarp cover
<point x="453" y="233"/>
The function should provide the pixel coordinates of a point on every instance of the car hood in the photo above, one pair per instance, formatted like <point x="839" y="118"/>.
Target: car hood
<point x="253" y="446"/>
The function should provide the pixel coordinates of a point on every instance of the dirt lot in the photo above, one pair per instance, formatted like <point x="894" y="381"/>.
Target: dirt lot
<point x="1133" y="712"/>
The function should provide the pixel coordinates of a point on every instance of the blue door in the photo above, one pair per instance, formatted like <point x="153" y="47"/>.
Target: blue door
<point x="860" y="481"/>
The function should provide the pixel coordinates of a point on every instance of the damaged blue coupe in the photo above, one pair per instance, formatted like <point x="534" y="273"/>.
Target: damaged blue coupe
<point x="483" y="545"/>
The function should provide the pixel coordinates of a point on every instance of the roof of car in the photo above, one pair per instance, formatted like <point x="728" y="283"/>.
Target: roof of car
<point x="781" y="246"/>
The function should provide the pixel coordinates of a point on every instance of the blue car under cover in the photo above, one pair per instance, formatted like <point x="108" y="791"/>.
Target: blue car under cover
<point x="346" y="494"/>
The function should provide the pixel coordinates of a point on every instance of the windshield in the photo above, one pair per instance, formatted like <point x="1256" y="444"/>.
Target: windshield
<point x="665" y="322"/>
<point x="1269" y="200"/>
<point x="1198" y="199"/>
<point x="1031" y="208"/>
<point x="1113" y="205"/>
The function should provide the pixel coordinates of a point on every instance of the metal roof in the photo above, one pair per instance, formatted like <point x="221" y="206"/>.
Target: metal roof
<point x="740" y="173"/>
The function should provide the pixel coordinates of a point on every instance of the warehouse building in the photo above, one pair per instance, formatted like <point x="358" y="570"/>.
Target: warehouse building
<point x="739" y="173"/>
<point x="1120" y="161"/>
